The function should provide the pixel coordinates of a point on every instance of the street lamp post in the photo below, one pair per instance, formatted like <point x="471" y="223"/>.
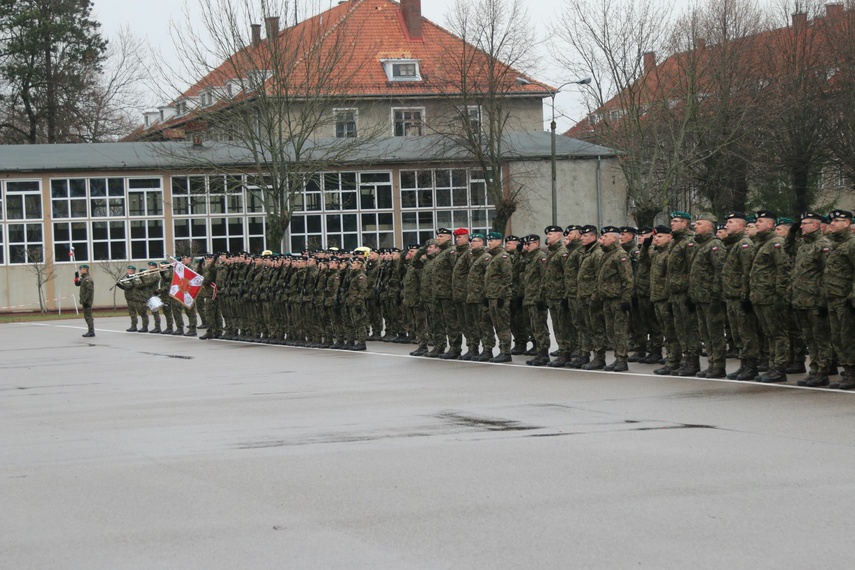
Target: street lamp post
<point x="584" y="81"/>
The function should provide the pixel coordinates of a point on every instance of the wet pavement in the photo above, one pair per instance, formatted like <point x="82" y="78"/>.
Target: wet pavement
<point x="145" y="451"/>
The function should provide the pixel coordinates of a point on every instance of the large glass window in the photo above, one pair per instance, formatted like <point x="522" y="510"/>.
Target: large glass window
<point x="71" y="237"/>
<point x="408" y="122"/>
<point x="24" y="229"/>
<point x="444" y="197"/>
<point x="145" y="197"/>
<point x="147" y="239"/>
<point x="109" y="240"/>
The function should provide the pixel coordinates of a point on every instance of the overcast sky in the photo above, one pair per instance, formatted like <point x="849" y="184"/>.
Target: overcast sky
<point x="150" y="19"/>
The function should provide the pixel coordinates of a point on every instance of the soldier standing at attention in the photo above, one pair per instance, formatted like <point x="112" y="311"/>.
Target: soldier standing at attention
<point x="614" y="289"/>
<point x="735" y="288"/>
<point x="87" y="295"/>
<point x="838" y="288"/>
<point x="411" y="299"/>
<point x="705" y="290"/>
<point x="592" y="337"/>
<point x="573" y="244"/>
<point x="357" y="293"/>
<point x="769" y="284"/>
<point x="445" y="330"/>
<point x="459" y="286"/>
<point x="475" y="310"/>
<point x="644" y="315"/>
<point x="534" y="297"/>
<point x="498" y="280"/>
<point x="807" y="299"/>
<point x="519" y="317"/>
<point x="685" y="320"/>
<point x="659" y="296"/>
<point x="553" y="289"/>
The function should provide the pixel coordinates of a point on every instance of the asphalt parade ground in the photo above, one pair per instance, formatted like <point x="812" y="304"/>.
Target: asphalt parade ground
<point x="146" y="451"/>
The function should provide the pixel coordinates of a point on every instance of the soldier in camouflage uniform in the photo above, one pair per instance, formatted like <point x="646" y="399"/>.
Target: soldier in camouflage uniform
<point x="660" y="296"/>
<point x="150" y="288"/>
<point x="498" y="282"/>
<point x="163" y="294"/>
<point x="459" y="286"/>
<point x="807" y="299"/>
<point x="705" y="291"/>
<point x="372" y="303"/>
<point x="788" y="229"/>
<point x="411" y="299"/>
<point x="423" y="261"/>
<point x="637" y="336"/>
<point x="519" y="316"/>
<point x="573" y="244"/>
<point x="355" y="299"/>
<point x="769" y="284"/>
<point x="735" y="290"/>
<point x="553" y="290"/>
<point x="685" y="319"/>
<point x="592" y="337"/>
<point x="213" y="316"/>
<point x="446" y="331"/>
<point x="476" y="312"/>
<point x="614" y="290"/>
<point x="644" y="313"/>
<point x="534" y="302"/>
<point x="838" y="291"/>
<point x="127" y="284"/>
<point x="332" y="334"/>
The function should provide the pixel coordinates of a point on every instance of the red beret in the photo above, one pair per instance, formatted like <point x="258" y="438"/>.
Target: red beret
<point x="461" y="232"/>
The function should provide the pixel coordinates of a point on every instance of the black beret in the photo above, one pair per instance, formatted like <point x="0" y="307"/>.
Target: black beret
<point x="840" y="214"/>
<point x="629" y="229"/>
<point x="443" y="231"/>
<point x="738" y="215"/>
<point x="645" y="230"/>
<point x="765" y="214"/>
<point x="413" y="246"/>
<point x="609" y="230"/>
<point x="588" y="229"/>
<point x="511" y="237"/>
<point x="532" y="237"/>
<point x="660" y="229"/>
<point x="550" y="229"/>
<point x="811" y="216"/>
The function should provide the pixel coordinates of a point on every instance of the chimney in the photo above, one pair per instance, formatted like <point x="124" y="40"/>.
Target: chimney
<point x="799" y="22"/>
<point x="272" y="24"/>
<point x="649" y="61"/>
<point x="833" y="11"/>
<point x="411" y="10"/>
<point x="256" y="34"/>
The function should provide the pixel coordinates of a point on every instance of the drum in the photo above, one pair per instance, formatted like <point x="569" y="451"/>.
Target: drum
<point x="154" y="304"/>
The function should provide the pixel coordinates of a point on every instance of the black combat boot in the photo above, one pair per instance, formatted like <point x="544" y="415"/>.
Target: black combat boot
<point x="775" y="375"/>
<point x="818" y="380"/>
<point x="502" y="358"/>
<point x="796" y="368"/>
<point x="665" y="370"/>
<point x="692" y="367"/>
<point x="88" y="334"/>
<point x="750" y="372"/>
<point x="637" y="356"/>
<point x="734" y="375"/>
<point x="485" y="356"/>
<point x="580" y="361"/>
<point x="541" y="359"/>
<point x="560" y="361"/>
<point x="652" y="357"/>
<point x="132" y="329"/>
<point x="519" y="348"/>
<point x="598" y="363"/>
<point x="451" y="354"/>
<point x="620" y="365"/>
<point x="436" y="351"/>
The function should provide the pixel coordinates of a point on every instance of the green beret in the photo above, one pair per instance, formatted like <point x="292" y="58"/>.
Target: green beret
<point x="750" y="219"/>
<point x="708" y="217"/>
<point x="482" y="237"/>
<point x="494" y="235"/>
<point x="84" y="266"/>
<point x="680" y="214"/>
<point x="132" y="267"/>
<point x="784" y="221"/>
<point x="152" y="263"/>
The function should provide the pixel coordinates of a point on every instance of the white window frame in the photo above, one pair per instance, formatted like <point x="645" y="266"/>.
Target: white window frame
<point x="422" y="120"/>
<point x="389" y="66"/>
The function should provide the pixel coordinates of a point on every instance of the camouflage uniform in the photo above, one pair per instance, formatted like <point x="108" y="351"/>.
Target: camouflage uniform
<point x="838" y="288"/>
<point x="643" y="311"/>
<point x="412" y="301"/>
<point x="553" y="288"/>
<point x="740" y="312"/>
<point x="459" y="287"/>
<point x="807" y="300"/>
<point x="445" y="325"/>
<point x="769" y="284"/>
<point x="519" y="316"/>
<point x="498" y="281"/>
<point x="571" y="291"/>
<point x="685" y="318"/>
<point x="357" y="294"/>
<point x="614" y="290"/>
<point x="705" y="290"/>
<point x="660" y="297"/>
<point x="534" y="302"/>
<point x="593" y="337"/>
<point x="476" y="312"/>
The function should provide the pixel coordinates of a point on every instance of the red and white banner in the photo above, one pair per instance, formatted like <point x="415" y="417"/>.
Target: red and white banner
<point x="186" y="284"/>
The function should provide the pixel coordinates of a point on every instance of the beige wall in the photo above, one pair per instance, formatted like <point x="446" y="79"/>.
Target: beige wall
<point x="577" y="194"/>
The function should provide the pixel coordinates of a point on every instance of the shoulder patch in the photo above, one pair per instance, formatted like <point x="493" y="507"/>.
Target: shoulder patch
<point x="825" y="250"/>
<point x="715" y="248"/>
<point x="505" y="256"/>
<point x="777" y="245"/>
<point x="622" y="259"/>
<point x="746" y="245"/>
<point x="690" y="244"/>
<point x="565" y="255"/>
<point x="543" y="259"/>
<point x="361" y="277"/>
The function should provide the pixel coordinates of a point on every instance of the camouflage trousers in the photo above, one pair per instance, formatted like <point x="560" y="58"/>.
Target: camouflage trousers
<point x="842" y="323"/>
<point x="419" y="325"/>
<point x="562" y="325"/>
<point x="646" y="325"/>
<point x="88" y="318"/>
<point x="817" y="336"/>
<point x="474" y="326"/>
<point x="213" y="316"/>
<point x="711" y="331"/>
<point x="537" y="324"/>
<point x="520" y="321"/>
<point x="665" y="317"/>
<point x="686" y="325"/>
<point x="132" y="312"/>
<point x="773" y="321"/>
<point x="617" y="327"/>
<point x="446" y="324"/>
<point x="594" y="338"/>
<point x="166" y="309"/>
<point x="358" y="330"/>
<point x="743" y="328"/>
<point x="375" y="315"/>
<point x="500" y="317"/>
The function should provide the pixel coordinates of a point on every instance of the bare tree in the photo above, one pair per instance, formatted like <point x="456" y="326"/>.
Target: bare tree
<point x="636" y="107"/>
<point x="116" y="269"/>
<point x="481" y="75"/>
<point x="271" y="99"/>
<point x="42" y="269"/>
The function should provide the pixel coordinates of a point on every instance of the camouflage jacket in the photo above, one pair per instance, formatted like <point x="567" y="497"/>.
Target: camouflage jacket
<point x="614" y="275"/>
<point x="737" y="266"/>
<point x="808" y="269"/>
<point x="443" y="270"/>
<point x="357" y="290"/>
<point x="475" y="279"/>
<point x="411" y="286"/>
<point x="575" y="253"/>
<point x="499" y="274"/>
<point x="769" y="281"/>
<point x="705" y="274"/>
<point x="838" y="279"/>
<point x="588" y="270"/>
<point x="659" y="257"/>
<point x="533" y="283"/>
<point x="460" y="273"/>
<point x="680" y="263"/>
<point x="553" y="275"/>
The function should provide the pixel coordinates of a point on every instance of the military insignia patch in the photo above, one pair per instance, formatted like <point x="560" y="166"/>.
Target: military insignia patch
<point x="746" y="245"/>
<point x="715" y="248"/>
<point x="504" y="257"/>
<point x="825" y="250"/>
<point x="690" y="244"/>
<point x="622" y="259"/>
<point x="777" y="246"/>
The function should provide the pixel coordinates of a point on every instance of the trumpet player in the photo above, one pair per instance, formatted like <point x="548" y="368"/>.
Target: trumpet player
<point x="126" y="284"/>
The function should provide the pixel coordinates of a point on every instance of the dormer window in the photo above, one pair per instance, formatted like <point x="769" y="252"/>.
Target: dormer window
<point x="402" y="69"/>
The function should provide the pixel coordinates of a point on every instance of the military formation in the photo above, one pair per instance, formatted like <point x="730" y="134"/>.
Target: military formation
<point x="770" y="291"/>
